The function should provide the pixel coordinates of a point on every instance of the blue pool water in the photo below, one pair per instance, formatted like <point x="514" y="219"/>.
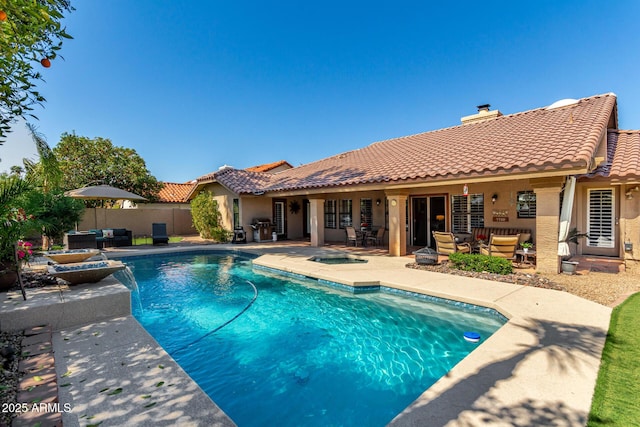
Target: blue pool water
<point x="303" y="354"/>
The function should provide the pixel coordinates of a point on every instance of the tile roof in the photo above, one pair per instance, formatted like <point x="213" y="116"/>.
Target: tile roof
<point x="243" y="181"/>
<point x="537" y="140"/>
<point x="623" y="156"/>
<point x="269" y="166"/>
<point x="172" y="192"/>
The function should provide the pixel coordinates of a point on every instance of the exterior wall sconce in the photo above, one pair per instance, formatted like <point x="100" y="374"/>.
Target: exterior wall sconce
<point x="630" y="192"/>
<point x="494" y="198"/>
<point x="378" y="201"/>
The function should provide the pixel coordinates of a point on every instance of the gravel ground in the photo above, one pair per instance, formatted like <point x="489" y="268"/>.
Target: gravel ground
<point x="608" y="289"/>
<point x="9" y="374"/>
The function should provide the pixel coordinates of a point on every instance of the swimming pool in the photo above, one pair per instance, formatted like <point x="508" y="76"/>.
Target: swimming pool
<point x="302" y="353"/>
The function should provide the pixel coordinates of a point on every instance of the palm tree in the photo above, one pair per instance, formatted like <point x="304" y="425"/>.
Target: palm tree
<point x="47" y="170"/>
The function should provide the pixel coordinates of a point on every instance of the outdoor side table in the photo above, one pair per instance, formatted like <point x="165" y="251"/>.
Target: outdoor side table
<point x="525" y="257"/>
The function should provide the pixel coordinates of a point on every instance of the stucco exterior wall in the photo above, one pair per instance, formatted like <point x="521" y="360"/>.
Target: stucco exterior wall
<point x="251" y="208"/>
<point x="224" y="198"/>
<point x="163" y="206"/>
<point x="179" y="221"/>
<point x="630" y="224"/>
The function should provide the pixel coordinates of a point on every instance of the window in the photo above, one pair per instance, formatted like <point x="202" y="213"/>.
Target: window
<point x="467" y="212"/>
<point x="366" y="213"/>
<point x="236" y="213"/>
<point x="279" y="216"/>
<point x="329" y="214"/>
<point x="345" y="213"/>
<point x="601" y="220"/>
<point x="526" y="204"/>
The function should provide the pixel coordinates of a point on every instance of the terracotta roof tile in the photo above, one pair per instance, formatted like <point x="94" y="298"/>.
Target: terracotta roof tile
<point x="172" y="192"/>
<point x="623" y="156"/>
<point x="269" y="166"/>
<point x="537" y="140"/>
<point x="243" y="181"/>
<point x="540" y="139"/>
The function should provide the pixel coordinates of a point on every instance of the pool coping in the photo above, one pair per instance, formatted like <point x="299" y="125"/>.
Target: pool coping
<point x="539" y="368"/>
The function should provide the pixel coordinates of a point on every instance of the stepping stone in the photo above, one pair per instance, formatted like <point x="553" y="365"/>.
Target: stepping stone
<point x="44" y="392"/>
<point x="38" y="330"/>
<point x="37" y="379"/>
<point x="36" y="363"/>
<point x="34" y="418"/>
<point x="36" y="339"/>
<point x="36" y="349"/>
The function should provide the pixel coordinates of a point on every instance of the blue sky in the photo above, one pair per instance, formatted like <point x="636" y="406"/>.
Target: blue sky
<point x="195" y="85"/>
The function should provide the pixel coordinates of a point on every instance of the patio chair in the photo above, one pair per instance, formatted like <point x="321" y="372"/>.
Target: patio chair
<point x="159" y="233"/>
<point x="501" y="246"/>
<point x="377" y="239"/>
<point x="352" y="236"/>
<point x="446" y="244"/>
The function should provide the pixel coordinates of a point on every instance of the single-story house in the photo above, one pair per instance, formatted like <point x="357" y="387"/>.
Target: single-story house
<point x="514" y="171"/>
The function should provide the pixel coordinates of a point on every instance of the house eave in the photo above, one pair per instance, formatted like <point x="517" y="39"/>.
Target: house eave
<point x="454" y="179"/>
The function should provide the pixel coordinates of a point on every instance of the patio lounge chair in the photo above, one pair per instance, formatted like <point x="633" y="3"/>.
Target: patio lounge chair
<point x="352" y="236"/>
<point x="501" y="246"/>
<point x="159" y="233"/>
<point x="446" y="244"/>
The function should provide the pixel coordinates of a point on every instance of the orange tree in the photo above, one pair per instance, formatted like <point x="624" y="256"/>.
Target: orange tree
<point x="30" y="37"/>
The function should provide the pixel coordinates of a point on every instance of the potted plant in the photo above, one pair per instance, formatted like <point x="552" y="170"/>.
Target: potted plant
<point x="526" y="246"/>
<point x="568" y="266"/>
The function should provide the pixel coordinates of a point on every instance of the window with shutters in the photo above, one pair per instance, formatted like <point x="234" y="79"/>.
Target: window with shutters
<point x="366" y="213"/>
<point x="329" y="214"/>
<point x="346" y="218"/>
<point x="236" y="213"/>
<point x="467" y="212"/>
<point x="601" y="220"/>
<point x="279" y="217"/>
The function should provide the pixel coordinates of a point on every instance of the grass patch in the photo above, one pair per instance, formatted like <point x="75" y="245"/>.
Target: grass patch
<point x="615" y="401"/>
<point x="149" y="240"/>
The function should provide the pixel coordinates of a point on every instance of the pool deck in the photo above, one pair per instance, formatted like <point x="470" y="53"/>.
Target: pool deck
<point x="538" y="369"/>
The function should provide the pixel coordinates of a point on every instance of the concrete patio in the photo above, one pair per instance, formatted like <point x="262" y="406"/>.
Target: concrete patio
<point x="538" y="369"/>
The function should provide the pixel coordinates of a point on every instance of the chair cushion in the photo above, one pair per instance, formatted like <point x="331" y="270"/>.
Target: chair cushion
<point x="97" y="232"/>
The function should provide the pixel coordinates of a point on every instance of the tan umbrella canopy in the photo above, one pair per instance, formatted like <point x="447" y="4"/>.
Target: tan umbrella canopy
<point x="102" y="192"/>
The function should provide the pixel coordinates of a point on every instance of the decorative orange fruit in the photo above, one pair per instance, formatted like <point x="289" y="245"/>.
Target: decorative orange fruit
<point x="3" y="15"/>
<point x="45" y="62"/>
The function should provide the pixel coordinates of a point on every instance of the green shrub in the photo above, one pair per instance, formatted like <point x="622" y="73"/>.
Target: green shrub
<point x="481" y="263"/>
<point x="207" y="218"/>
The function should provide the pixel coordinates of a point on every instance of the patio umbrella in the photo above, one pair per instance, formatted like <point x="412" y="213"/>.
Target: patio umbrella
<point x="102" y="192"/>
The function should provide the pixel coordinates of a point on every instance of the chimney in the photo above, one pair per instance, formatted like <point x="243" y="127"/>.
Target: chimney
<point x="482" y="115"/>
